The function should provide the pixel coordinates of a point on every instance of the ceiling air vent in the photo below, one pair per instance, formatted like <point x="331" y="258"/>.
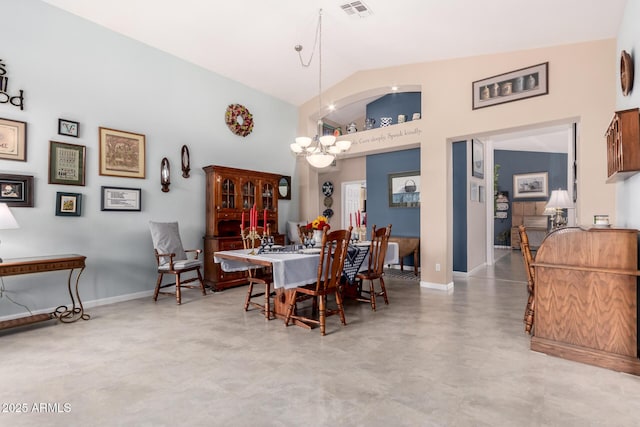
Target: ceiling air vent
<point x="356" y="9"/>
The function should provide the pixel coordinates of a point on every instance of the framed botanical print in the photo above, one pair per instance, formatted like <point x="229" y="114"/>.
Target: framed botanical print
<point x="66" y="163"/>
<point x="68" y="204"/>
<point x="13" y="140"/>
<point x="122" y="153"/>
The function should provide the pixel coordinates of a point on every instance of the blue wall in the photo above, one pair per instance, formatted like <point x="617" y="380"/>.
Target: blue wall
<point x="517" y="162"/>
<point x="405" y="221"/>
<point x="459" y="153"/>
<point x="393" y="104"/>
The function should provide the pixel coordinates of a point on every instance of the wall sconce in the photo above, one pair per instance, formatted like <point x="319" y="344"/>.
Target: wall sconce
<point x="184" y="155"/>
<point x="165" y="172"/>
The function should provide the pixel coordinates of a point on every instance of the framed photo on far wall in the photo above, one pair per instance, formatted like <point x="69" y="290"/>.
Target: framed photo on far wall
<point x="13" y="140"/>
<point x="16" y="190"/>
<point x="66" y="163"/>
<point x="122" y="153"/>
<point x="404" y="190"/>
<point x="512" y="86"/>
<point x="531" y="185"/>
<point x="68" y="204"/>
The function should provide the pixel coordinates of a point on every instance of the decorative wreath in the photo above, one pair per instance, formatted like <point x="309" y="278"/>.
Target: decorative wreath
<point x="239" y="119"/>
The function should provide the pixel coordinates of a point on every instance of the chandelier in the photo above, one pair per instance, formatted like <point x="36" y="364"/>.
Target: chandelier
<point x="321" y="150"/>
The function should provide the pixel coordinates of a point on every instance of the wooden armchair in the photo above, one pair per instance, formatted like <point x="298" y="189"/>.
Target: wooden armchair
<point x="172" y="258"/>
<point x="261" y="276"/>
<point x="375" y="271"/>
<point x="333" y="253"/>
<point x="529" y="310"/>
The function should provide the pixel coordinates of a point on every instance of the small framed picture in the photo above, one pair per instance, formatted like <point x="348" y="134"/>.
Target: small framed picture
<point x="66" y="163"/>
<point x="68" y="204"/>
<point x="121" y="199"/>
<point x="13" y="138"/>
<point x="16" y="190"/>
<point x="68" y="128"/>
<point x="122" y="153"/>
<point x="477" y="159"/>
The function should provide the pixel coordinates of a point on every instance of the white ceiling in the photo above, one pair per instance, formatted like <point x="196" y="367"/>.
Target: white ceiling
<point x="252" y="41"/>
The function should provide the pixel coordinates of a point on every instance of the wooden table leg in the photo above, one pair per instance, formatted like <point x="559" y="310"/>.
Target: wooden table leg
<point x="280" y="306"/>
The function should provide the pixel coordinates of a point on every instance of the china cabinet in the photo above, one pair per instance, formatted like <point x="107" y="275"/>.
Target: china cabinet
<point x="623" y="145"/>
<point x="230" y="194"/>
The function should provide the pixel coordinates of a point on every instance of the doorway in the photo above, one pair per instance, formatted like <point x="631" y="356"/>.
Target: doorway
<point x="354" y="202"/>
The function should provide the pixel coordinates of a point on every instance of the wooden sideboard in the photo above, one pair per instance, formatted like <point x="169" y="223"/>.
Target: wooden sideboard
<point x="529" y="214"/>
<point x="229" y="193"/>
<point x="408" y="246"/>
<point x="586" y="298"/>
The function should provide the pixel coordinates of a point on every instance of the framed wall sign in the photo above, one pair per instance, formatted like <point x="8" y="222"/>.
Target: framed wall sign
<point x="513" y="86"/>
<point x="122" y="153"/>
<point x="531" y="185"/>
<point x="121" y="199"/>
<point x="404" y="189"/>
<point x="13" y="140"/>
<point x="68" y="204"/>
<point x="66" y="163"/>
<point x="16" y="190"/>
<point x="68" y="128"/>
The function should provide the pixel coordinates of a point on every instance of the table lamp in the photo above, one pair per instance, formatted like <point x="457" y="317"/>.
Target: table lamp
<point x="7" y="220"/>
<point x="558" y="201"/>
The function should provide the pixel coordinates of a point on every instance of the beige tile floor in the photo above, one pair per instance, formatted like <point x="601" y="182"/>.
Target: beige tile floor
<point x="430" y="358"/>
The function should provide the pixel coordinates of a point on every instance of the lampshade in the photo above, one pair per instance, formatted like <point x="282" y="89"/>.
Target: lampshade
<point x="559" y="200"/>
<point x="320" y="160"/>
<point x="7" y="220"/>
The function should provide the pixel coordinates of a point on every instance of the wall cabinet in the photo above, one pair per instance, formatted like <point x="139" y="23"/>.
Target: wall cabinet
<point x="623" y="145"/>
<point x="229" y="193"/>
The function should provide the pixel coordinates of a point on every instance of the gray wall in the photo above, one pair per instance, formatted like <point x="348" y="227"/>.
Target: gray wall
<point x="71" y="68"/>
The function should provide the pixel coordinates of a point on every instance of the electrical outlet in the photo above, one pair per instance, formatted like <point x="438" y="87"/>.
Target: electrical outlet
<point x="437" y="267"/>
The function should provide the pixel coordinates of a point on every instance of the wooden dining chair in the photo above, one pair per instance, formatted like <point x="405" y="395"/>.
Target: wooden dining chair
<point x="333" y="253"/>
<point x="261" y="276"/>
<point x="375" y="271"/>
<point x="529" y="311"/>
<point x="172" y="258"/>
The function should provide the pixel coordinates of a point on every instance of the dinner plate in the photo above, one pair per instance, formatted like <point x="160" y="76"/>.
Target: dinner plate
<point x="362" y="244"/>
<point x="310" y="250"/>
<point x="276" y="247"/>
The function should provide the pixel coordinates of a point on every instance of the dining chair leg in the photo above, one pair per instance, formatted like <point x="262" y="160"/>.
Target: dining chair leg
<point x="248" y="298"/>
<point x="267" y="305"/>
<point x="292" y="303"/>
<point x="323" y="314"/>
<point x="372" y="295"/>
<point x="157" y="291"/>
<point x="340" y="308"/>
<point x="178" y="293"/>
<point x="384" y="291"/>
<point x="204" y="291"/>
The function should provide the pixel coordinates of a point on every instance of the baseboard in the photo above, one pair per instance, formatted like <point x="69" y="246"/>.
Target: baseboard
<point x="85" y="305"/>
<point x="438" y="286"/>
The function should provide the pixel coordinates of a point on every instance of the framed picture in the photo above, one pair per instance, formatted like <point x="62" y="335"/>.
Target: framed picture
<point x="531" y="185"/>
<point x="477" y="158"/>
<point x="13" y="140"/>
<point x="473" y="191"/>
<point x="16" y="190"/>
<point x="513" y="86"/>
<point x="68" y="128"/>
<point x="66" y="163"/>
<point x="122" y="153"/>
<point x="68" y="204"/>
<point x="120" y="199"/>
<point x="404" y="189"/>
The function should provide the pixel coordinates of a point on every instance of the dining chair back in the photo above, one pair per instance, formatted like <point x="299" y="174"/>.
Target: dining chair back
<point x="375" y="270"/>
<point x="261" y="276"/>
<point x="333" y="253"/>
<point x="172" y="258"/>
<point x="529" y="310"/>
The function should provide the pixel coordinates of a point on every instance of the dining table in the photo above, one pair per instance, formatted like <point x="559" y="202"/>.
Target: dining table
<point x="294" y="265"/>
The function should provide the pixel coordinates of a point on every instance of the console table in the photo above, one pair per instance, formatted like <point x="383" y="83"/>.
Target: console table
<point x="41" y="264"/>
<point x="408" y="246"/>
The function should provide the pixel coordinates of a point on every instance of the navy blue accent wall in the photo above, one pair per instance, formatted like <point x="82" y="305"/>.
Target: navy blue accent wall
<point x="405" y="221"/>
<point x="518" y="162"/>
<point x="393" y="104"/>
<point x="459" y="156"/>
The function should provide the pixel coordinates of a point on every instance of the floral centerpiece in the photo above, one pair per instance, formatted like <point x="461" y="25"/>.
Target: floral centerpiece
<point x="318" y="223"/>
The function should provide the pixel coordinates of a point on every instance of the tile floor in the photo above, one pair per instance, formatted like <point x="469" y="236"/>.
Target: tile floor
<point x="430" y="358"/>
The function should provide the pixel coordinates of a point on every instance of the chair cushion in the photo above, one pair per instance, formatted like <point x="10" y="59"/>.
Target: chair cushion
<point x="166" y="239"/>
<point x="182" y="264"/>
<point x="292" y="231"/>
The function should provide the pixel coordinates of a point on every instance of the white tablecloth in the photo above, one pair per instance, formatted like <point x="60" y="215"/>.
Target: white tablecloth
<point x="290" y="269"/>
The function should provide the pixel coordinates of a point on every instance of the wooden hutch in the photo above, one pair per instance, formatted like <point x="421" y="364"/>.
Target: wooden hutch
<point x="230" y="192"/>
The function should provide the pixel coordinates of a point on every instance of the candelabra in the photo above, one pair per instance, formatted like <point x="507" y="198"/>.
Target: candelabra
<point x="253" y="234"/>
